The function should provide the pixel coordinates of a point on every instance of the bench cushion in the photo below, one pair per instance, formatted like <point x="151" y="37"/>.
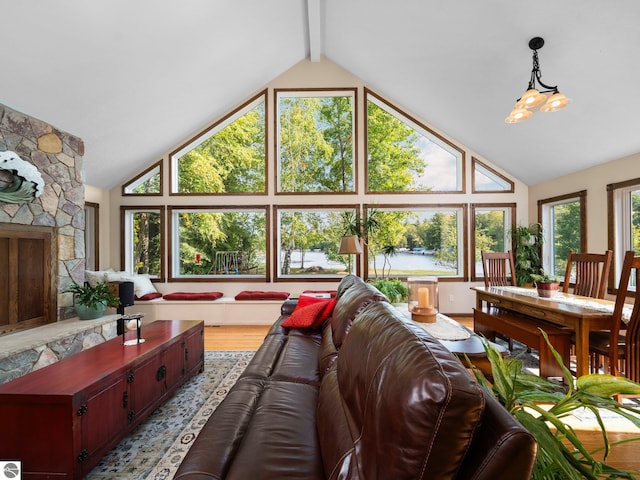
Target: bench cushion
<point x="192" y="295"/>
<point x="260" y="295"/>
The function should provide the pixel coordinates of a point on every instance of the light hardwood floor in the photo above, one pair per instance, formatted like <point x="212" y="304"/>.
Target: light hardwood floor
<point x="250" y="337"/>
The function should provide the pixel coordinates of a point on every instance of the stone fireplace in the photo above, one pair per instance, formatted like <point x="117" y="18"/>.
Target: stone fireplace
<point x="58" y="157"/>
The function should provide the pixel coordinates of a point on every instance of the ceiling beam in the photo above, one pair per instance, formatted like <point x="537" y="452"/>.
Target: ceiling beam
<point x="313" y="12"/>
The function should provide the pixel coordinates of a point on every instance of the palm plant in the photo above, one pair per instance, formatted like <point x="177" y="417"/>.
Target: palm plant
<point x="540" y="405"/>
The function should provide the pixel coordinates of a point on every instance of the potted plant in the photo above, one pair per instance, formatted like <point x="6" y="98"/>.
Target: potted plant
<point x="546" y="285"/>
<point x="91" y="302"/>
<point x="540" y="406"/>
<point x="394" y="289"/>
<point x="527" y="241"/>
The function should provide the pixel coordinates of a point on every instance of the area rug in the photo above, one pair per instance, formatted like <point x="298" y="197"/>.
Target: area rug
<point x="155" y="449"/>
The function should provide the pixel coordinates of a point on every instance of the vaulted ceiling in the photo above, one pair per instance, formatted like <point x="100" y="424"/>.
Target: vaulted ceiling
<point x="134" y="78"/>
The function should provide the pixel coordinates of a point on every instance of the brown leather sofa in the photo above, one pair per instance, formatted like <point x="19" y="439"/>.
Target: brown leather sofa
<point x="370" y="396"/>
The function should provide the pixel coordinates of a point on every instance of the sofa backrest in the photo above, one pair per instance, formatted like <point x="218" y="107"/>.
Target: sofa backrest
<point x="350" y="302"/>
<point x="351" y="299"/>
<point x="396" y="404"/>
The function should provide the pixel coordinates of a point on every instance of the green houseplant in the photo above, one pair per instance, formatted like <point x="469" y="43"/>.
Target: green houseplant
<point x="546" y="285"/>
<point x="540" y="406"/>
<point x="394" y="289"/>
<point x="527" y="242"/>
<point x="91" y="302"/>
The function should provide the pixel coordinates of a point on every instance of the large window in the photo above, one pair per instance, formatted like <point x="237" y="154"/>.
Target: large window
<point x="564" y="229"/>
<point x="492" y="226"/>
<point x="285" y="145"/>
<point x="405" y="156"/>
<point x="624" y="222"/>
<point x="143" y="242"/>
<point x="315" y="141"/>
<point x="227" y="158"/>
<point x="309" y="239"/>
<point x="416" y="240"/>
<point x="219" y="243"/>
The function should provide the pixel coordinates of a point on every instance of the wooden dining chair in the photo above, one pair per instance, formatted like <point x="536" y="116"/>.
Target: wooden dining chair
<point x="620" y="346"/>
<point x="592" y="273"/>
<point x="498" y="269"/>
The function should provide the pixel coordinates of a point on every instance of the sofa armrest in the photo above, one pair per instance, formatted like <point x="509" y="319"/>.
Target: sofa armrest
<point x="288" y="306"/>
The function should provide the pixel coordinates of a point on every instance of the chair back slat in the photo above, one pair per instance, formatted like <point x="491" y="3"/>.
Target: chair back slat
<point x="630" y="265"/>
<point x="498" y="269"/>
<point x="592" y="272"/>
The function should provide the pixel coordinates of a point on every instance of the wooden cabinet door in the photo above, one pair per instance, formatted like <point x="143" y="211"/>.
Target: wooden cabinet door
<point x="103" y="416"/>
<point x="146" y="386"/>
<point x="194" y="351"/>
<point x="173" y="361"/>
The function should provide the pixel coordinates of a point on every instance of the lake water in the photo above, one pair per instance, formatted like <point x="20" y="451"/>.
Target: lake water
<point x="401" y="262"/>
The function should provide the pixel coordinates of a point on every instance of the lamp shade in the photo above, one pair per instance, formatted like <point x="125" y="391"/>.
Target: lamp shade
<point x="518" y="115"/>
<point x="350" y="244"/>
<point x="556" y="101"/>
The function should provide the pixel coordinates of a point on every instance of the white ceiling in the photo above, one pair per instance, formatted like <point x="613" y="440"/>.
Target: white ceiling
<point x="135" y="78"/>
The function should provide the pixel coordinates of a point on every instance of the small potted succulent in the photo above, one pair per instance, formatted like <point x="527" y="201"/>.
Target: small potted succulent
<point x="546" y="285"/>
<point x="91" y="302"/>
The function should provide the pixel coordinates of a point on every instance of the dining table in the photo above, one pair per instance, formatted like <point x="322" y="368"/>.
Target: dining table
<point x="581" y="314"/>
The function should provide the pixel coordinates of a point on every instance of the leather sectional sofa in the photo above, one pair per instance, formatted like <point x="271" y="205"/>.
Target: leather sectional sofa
<point x="369" y="395"/>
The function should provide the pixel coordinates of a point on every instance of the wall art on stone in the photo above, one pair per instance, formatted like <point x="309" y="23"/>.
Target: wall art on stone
<point x="20" y="181"/>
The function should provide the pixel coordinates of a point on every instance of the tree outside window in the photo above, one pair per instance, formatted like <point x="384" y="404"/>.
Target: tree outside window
<point x="228" y="158"/>
<point x="219" y="243"/>
<point x="315" y="141"/>
<point x="309" y="239"/>
<point x="416" y="240"/>
<point x="143" y="242"/>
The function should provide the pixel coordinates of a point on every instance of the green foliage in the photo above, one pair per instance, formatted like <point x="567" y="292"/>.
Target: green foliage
<point x="394" y="160"/>
<point x="394" y="289"/>
<point x="232" y="160"/>
<point x="92" y="296"/>
<point x="316" y="144"/>
<point x="490" y="232"/>
<point x="527" y="242"/>
<point x="566" y="230"/>
<point x="543" y="278"/>
<point x="540" y="406"/>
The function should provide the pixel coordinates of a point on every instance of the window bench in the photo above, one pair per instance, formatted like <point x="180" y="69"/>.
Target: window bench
<point x="222" y="311"/>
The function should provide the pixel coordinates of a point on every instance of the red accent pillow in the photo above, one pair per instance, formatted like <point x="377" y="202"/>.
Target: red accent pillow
<point x="259" y="295"/>
<point x="192" y="295"/>
<point x="311" y="313"/>
<point x="149" y="296"/>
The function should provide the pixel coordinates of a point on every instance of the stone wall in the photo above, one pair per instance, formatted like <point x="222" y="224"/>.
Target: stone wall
<point x="58" y="157"/>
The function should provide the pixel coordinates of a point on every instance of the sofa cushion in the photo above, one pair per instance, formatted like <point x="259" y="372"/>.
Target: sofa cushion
<point x="395" y="393"/>
<point x="192" y="295"/>
<point x="260" y="295"/>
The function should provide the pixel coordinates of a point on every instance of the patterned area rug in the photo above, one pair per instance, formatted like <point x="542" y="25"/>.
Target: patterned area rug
<point x="155" y="449"/>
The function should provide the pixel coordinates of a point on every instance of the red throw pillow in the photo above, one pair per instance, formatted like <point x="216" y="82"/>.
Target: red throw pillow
<point x="311" y="313"/>
<point x="150" y="296"/>
<point x="193" y="296"/>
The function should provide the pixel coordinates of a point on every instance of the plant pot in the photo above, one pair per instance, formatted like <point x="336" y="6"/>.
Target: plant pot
<point x="547" y="289"/>
<point x="88" y="313"/>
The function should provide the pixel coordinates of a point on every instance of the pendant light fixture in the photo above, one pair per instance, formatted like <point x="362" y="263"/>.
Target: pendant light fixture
<point x="537" y="92"/>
